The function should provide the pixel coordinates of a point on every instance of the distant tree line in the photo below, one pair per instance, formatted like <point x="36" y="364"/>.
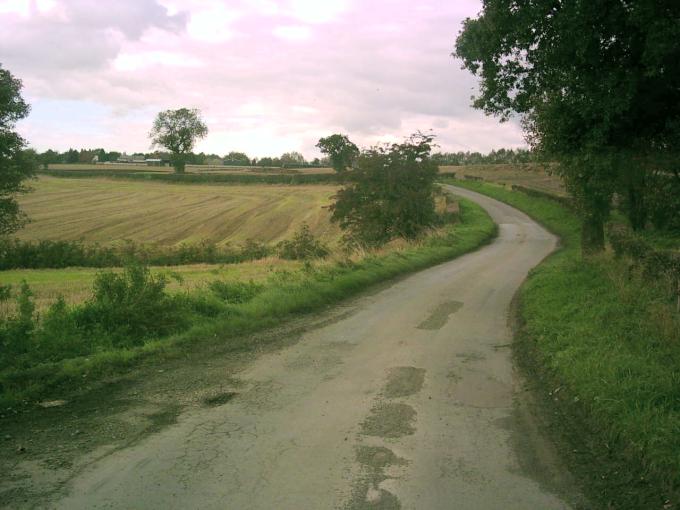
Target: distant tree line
<point x="234" y="158"/>
<point x="286" y="160"/>
<point x="495" y="157"/>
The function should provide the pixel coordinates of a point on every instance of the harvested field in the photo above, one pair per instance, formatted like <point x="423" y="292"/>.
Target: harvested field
<point x="111" y="210"/>
<point x="190" y="169"/>
<point x="528" y="175"/>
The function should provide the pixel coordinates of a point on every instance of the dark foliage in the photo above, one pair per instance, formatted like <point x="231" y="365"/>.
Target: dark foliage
<point x="303" y="246"/>
<point x="597" y="84"/>
<point x="16" y="164"/>
<point x="389" y="193"/>
<point x="340" y="150"/>
<point x="16" y="254"/>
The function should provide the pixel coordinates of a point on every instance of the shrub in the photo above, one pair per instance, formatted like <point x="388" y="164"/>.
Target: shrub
<point x="389" y="193"/>
<point x="653" y="264"/>
<point x="16" y="332"/>
<point x="17" y="254"/>
<point x="253" y="250"/>
<point x="130" y="307"/>
<point x="58" y="336"/>
<point x="303" y="246"/>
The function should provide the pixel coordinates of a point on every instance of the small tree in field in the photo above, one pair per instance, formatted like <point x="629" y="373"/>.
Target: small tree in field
<point x="340" y="150"/>
<point x="16" y="164"/>
<point x="389" y="193"/>
<point x="177" y="131"/>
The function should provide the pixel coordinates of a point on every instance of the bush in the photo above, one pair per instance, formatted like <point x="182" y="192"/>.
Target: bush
<point x="303" y="246"/>
<point x="654" y="264"/>
<point x="130" y="307"/>
<point x="389" y="193"/>
<point x="16" y="332"/>
<point x="16" y="254"/>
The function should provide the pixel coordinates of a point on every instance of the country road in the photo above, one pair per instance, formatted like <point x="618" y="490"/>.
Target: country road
<point x="409" y="400"/>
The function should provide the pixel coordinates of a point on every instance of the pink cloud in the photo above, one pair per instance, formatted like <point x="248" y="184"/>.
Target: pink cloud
<point x="268" y="76"/>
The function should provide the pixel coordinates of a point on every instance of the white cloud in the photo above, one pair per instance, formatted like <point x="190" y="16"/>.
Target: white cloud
<point x="136" y="61"/>
<point x="293" y="32"/>
<point x="317" y="11"/>
<point x="213" y="24"/>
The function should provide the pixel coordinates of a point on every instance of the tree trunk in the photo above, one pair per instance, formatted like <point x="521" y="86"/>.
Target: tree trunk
<point x="179" y="163"/>
<point x="592" y="234"/>
<point x="637" y="212"/>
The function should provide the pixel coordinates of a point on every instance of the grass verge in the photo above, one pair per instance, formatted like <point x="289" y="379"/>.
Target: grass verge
<point x="284" y="296"/>
<point x="602" y="347"/>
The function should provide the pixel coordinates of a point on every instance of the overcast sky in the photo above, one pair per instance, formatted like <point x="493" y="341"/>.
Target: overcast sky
<point x="269" y="76"/>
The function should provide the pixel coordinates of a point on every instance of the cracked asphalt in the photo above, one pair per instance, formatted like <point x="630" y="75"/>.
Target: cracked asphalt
<point x="409" y="401"/>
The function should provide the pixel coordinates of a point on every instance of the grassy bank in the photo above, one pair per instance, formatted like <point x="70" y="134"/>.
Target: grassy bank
<point x="603" y="346"/>
<point x="206" y="319"/>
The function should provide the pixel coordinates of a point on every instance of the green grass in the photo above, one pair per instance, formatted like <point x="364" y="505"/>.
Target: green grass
<point x="611" y="344"/>
<point x="74" y="284"/>
<point x="285" y="295"/>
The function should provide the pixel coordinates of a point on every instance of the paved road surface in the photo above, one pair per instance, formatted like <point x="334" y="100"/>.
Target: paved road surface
<point x="410" y="401"/>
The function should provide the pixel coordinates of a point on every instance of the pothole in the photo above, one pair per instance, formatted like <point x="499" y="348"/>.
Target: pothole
<point x="440" y="316"/>
<point x="404" y="381"/>
<point x="219" y="399"/>
<point x="390" y="420"/>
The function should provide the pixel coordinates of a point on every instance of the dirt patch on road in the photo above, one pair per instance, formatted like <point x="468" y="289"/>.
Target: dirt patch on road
<point x="367" y="493"/>
<point x="404" y="381"/>
<point x="440" y="315"/>
<point x="219" y="399"/>
<point x="390" y="421"/>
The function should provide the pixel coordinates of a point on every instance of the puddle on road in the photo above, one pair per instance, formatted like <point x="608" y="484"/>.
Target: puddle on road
<point x="404" y="381"/>
<point x="439" y="317"/>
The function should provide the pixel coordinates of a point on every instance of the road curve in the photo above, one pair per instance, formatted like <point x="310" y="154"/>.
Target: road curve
<point x="408" y="401"/>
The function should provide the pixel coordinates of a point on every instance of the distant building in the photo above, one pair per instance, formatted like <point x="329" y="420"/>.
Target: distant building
<point x="153" y="162"/>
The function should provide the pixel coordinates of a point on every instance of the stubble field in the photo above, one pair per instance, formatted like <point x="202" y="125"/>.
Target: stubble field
<point x="109" y="211"/>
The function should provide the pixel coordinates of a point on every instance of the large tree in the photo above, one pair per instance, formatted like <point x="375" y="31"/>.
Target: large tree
<point x="16" y="163"/>
<point x="595" y="82"/>
<point x="340" y="150"/>
<point x="177" y="131"/>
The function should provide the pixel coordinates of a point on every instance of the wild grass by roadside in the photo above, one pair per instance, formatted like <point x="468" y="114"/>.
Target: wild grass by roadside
<point x="605" y="347"/>
<point x="209" y="316"/>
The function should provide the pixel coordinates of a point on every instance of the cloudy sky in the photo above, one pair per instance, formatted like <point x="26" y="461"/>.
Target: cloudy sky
<point x="269" y="75"/>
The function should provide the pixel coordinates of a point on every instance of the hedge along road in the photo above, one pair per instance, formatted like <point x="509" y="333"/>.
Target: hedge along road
<point x="408" y="400"/>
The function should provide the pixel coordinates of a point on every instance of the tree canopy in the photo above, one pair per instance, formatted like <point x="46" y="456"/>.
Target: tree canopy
<point x="177" y="131"/>
<point x="16" y="163"/>
<point x="389" y="193"/>
<point x="236" y="159"/>
<point x="340" y="150"/>
<point x="596" y="83"/>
